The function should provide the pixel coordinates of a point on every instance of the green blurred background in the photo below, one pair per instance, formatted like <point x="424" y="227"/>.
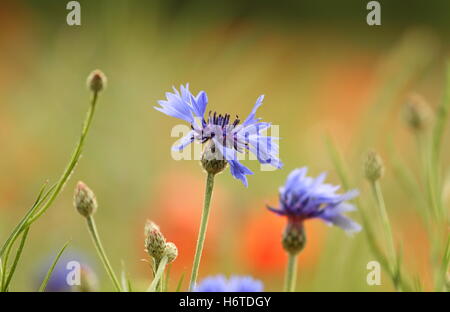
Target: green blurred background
<point x="323" y="70"/>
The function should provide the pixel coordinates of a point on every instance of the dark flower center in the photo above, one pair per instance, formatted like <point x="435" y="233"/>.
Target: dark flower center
<point x="221" y="120"/>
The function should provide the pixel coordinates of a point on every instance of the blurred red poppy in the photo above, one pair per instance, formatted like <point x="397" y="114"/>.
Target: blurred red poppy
<point x="260" y="246"/>
<point x="176" y="207"/>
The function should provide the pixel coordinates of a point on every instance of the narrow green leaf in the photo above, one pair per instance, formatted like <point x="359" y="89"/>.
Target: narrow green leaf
<point x="125" y="281"/>
<point x="21" y="225"/>
<point x="166" y="278"/>
<point x="16" y="260"/>
<point x="371" y="239"/>
<point x="50" y="270"/>
<point x="159" y="274"/>
<point x="180" y="282"/>
<point x="337" y="162"/>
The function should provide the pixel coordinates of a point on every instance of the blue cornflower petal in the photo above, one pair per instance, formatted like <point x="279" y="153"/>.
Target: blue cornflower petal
<point x="239" y="171"/>
<point x="219" y="283"/>
<point x="341" y="221"/>
<point x="294" y="177"/>
<point x="279" y="212"/>
<point x="251" y="118"/>
<point x="184" y="141"/>
<point x="244" y="284"/>
<point x="303" y="198"/>
<point x="216" y="283"/>
<point x="229" y="137"/>
<point x="174" y="111"/>
<point x="200" y="102"/>
<point x="177" y="105"/>
<point x="58" y="281"/>
<point x="265" y="150"/>
<point x="349" y="195"/>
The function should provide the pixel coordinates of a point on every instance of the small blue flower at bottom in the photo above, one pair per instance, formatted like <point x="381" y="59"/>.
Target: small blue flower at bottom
<point x="219" y="283"/>
<point x="65" y="276"/>
<point x="303" y="198"/>
<point x="229" y="137"/>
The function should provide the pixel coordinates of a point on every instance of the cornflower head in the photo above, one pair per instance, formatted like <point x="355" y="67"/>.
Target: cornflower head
<point x="96" y="81"/>
<point x="373" y="166"/>
<point x="220" y="283"/>
<point x="156" y="245"/>
<point x="417" y="113"/>
<point x="303" y="198"/>
<point x="226" y="138"/>
<point x="72" y="273"/>
<point x="84" y="200"/>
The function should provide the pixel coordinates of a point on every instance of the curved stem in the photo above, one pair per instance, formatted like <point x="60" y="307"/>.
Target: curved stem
<point x="291" y="273"/>
<point x="384" y="218"/>
<point x="101" y="252"/>
<point x="73" y="161"/>
<point x="16" y="260"/>
<point x="33" y="214"/>
<point x="158" y="275"/>
<point x="392" y="254"/>
<point x="202" y="232"/>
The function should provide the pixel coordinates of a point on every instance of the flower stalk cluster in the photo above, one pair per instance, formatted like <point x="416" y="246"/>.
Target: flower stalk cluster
<point x="85" y="203"/>
<point x="161" y="251"/>
<point x="47" y="196"/>
<point x="374" y="170"/>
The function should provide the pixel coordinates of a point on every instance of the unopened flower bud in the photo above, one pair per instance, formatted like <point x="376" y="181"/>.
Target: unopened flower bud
<point x="294" y="237"/>
<point x="212" y="161"/>
<point x="171" y="252"/>
<point x="84" y="200"/>
<point x="373" y="166"/>
<point x="150" y="226"/>
<point x="96" y="81"/>
<point x="417" y="113"/>
<point x="155" y="242"/>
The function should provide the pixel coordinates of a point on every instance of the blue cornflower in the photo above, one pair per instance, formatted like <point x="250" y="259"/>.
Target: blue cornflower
<point x="65" y="276"/>
<point x="219" y="283"/>
<point x="229" y="138"/>
<point x="303" y="198"/>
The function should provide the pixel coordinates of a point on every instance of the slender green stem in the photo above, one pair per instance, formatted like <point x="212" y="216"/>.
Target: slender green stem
<point x="441" y="283"/>
<point x="384" y="218"/>
<point x="396" y="275"/>
<point x="52" y="267"/>
<point x="291" y="273"/>
<point x="1" y="274"/>
<point x="21" y="225"/>
<point x="442" y="116"/>
<point x="435" y="188"/>
<point x="34" y="214"/>
<point x="180" y="282"/>
<point x="159" y="273"/>
<point x="73" y="161"/>
<point x="98" y="245"/>
<point x="202" y="232"/>
<point x="16" y="260"/>
<point x="392" y="254"/>
<point x="344" y="178"/>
